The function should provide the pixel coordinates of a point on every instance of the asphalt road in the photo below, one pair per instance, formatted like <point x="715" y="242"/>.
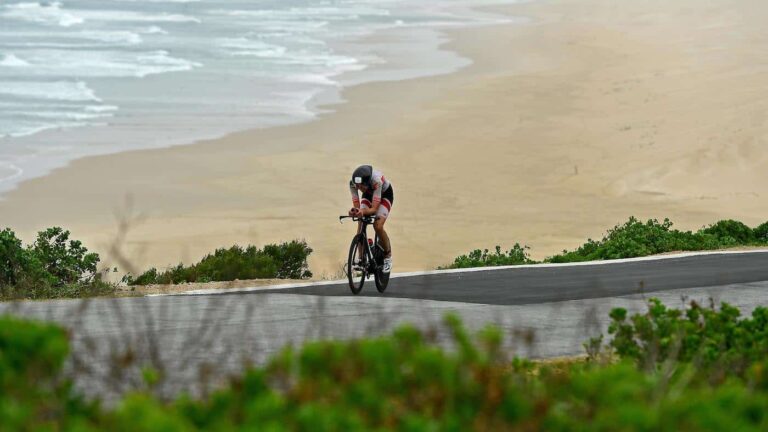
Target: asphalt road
<point x="197" y="340"/>
<point x="548" y="283"/>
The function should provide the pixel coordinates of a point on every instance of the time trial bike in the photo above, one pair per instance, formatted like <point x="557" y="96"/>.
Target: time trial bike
<point x="366" y="257"/>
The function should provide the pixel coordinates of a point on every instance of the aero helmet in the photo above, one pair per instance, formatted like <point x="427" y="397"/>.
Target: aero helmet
<point x="362" y="175"/>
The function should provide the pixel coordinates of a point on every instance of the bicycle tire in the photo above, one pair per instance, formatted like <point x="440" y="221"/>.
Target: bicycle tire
<point x="382" y="280"/>
<point x="353" y="249"/>
<point x="379" y="277"/>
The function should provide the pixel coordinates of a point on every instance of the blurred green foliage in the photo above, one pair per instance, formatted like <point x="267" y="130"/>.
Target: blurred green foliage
<point x="715" y="341"/>
<point x="33" y="396"/>
<point x="287" y="260"/>
<point x="408" y="381"/>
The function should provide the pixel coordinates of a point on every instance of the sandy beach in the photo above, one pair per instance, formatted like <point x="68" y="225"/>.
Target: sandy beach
<point x="561" y="128"/>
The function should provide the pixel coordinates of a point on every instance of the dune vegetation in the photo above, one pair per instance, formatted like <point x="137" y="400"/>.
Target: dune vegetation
<point x="631" y="239"/>
<point x="702" y="368"/>
<point x="56" y="266"/>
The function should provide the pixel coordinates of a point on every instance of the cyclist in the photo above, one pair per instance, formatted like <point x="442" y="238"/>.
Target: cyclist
<point x="377" y="199"/>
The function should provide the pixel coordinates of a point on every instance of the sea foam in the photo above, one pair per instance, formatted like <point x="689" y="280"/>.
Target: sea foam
<point x="99" y="63"/>
<point x="164" y="72"/>
<point x="44" y="13"/>
<point x="57" y="90"/>
<point x="54" y="14"/>
<point x="11" y="60"/>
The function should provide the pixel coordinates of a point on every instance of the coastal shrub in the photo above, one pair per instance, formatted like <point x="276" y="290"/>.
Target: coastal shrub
<point x="406" y="380"/>
<point x="761" y="233"/>
<point x="483" y="258"/>
<point x="149" y="277"/>
<point x="68" y="261"/>
<point x="290" y="258"/>
<point x="715" y="340"/>
<point x="54" y="266"/>
<point x="635" y="238"/>
<point x="731" y="231"/>
<point x="234" y="263"/>
<point x="287" y="260"/>
<point x="15" y="261"/>
<point x="38" y="290"/>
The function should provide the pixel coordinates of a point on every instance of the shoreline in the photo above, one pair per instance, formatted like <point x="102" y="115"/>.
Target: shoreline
<point x="423" y="57"/>
<point x="569" y="125"/>
<point x="125" y="208"/>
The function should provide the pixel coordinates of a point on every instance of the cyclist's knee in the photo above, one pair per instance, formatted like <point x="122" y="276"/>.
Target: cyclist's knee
<point x="379" y="225"/>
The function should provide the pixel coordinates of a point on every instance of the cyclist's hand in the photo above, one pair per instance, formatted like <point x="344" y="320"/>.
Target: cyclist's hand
<point x="354" y="211"/>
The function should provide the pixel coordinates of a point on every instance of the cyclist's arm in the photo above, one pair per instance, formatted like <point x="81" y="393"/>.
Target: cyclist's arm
<point x="376" y="201"/>
<point x="369" y="211"/>
<point x="355" y="197"/>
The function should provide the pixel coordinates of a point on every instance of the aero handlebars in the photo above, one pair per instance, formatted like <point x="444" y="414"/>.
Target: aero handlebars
<point x="366" y="219"/>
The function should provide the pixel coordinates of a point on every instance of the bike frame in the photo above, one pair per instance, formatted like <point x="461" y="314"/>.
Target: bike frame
<point x="365" y="221"/>
<point x="369" y="264"/>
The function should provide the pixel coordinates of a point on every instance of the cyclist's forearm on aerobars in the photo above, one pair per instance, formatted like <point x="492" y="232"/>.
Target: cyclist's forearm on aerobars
<point x="370" y="211"/>
<point x="355" y="197"/>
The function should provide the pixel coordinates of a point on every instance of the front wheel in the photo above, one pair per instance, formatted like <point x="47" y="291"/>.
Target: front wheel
<point x="356" y="265"/>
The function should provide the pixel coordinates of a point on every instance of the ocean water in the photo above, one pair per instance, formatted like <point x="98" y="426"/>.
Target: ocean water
<point x="86" y="77"/>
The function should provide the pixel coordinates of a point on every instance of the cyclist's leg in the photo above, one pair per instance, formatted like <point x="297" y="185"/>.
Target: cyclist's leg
<point x="385" y="208"/>
<point x="364" y="204"/>
<point x="385" y="243"/>
<point x="388" y="198"/>
<point x="383" y="237"/>
<point x="383" y="213"/>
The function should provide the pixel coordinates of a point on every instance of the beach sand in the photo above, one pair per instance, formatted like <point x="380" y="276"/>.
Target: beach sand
<point x="563" y="127"/>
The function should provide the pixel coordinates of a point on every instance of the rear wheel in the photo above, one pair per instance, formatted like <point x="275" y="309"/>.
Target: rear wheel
<point x="356" y="265"/>
<point x="381" y="278"/>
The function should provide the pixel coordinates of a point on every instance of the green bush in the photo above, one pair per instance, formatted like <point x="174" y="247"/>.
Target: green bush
<point x="761" y="233"/>
<point x="635" y="239"/>
<point x="285" y="260"/>
<point x="404" y="381"/>
<point x="290" y="258"/>
<point x="234" y="263"/>
<point x="477" y="258"/>
<point x="719" y="343"/>
<point x="39" y="290"/>
<point x="731" y="231"/>
<point x="631" y="239"/>
<point x="68" y="261"/>
<point x="149" y="277"/>
<point x="409" y="380"/>
<point x="621" y="397"/>
<point x="52" y="267"/>
<point x="33" y="396"/>
<point x="16" y="263"/>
